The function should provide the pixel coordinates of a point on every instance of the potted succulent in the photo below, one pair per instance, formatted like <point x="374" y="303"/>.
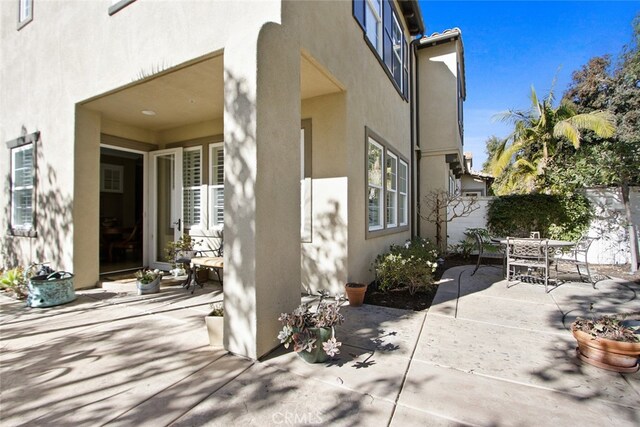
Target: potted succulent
<point x="312" y="333"/>
<point x="184" y="247"/>
<point x="355" y="293"/>
<point x="148" y="281"/>
<point x="609" y="342"/>
<point x="215" y="324"/>
<point x="14" y="283"/>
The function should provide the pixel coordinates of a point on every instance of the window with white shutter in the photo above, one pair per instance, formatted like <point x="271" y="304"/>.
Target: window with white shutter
<point x="216" y="185"/>
<point x="191" y="187"/>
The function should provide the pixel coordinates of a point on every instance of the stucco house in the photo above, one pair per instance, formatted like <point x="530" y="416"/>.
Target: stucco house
<point x="440" y="94"/>
<point x="291" y="125"/>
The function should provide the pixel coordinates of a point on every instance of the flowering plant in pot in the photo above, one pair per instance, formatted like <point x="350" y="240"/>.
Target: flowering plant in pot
<point x="312" y="333"/>
<point x="609" y="342"/>
<point x="215" y="324"/>
<point x="148" y="281"/>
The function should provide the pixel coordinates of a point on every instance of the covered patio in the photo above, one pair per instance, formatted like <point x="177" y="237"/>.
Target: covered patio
<point x="483" y="354"/>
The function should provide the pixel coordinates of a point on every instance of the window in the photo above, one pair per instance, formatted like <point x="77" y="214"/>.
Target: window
<point x="116" y="5"/>
<point x="392" y="189"/>
<point x="383" y="30"/>
<point x="25" y="12"/>
<point x="387" y="187"/>
<point x="216" y="185"/>
<point x="23" y="173"/>
<point x="373" y="23"/>
<point x="403" y="186"/>
<point x="191" y="182"/>
<point x="111" y="178"/>
<point x="374" y="173"/>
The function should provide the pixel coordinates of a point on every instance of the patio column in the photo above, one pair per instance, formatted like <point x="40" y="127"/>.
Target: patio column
<point x="262" y="187"/>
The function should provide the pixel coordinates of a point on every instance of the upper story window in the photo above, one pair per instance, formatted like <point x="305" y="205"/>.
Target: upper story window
<point x="25" y="12"/>
<point x="23" y="179"/>
<point x="384" y="33"/>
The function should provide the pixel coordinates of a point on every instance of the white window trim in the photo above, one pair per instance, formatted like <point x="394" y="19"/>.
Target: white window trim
<point x="372" y="142"/>
<point x="25" y="12"/>
<point x="391" y="222"/>
<point x="213" y="187"/>
<point x="404" y="221"/>
<point x="378" y="17"/>
<point x="14" y="223"/>
<point x="197" y="187"/>
<point x="115" y="169"/>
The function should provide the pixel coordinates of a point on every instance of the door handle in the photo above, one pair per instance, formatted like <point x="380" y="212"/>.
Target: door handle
<point x="179" y="224"/>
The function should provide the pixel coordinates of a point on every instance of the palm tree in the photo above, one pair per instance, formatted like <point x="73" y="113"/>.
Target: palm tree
<point x="539" y="134"/>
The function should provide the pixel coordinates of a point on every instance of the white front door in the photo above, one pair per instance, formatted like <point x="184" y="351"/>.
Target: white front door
<point x="165" y="202"/>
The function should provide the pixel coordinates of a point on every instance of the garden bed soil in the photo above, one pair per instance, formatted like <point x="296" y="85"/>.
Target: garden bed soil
<point x="400" y="298"/>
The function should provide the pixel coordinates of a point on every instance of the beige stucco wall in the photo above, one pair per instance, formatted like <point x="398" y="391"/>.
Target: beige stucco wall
<point x="67" y="42"/>
<point x="370" y="99"/>
<point x="439" y="133"/>
<point x="79" y="52"/>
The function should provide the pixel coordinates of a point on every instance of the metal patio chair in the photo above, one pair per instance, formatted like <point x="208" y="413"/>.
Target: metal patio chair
<point x="488" y="249"/>
<point x="577" y="257"/>
<point x="529" y="254"/>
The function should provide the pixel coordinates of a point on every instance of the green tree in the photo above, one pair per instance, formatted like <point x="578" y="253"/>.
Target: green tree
<point x="613" y="161"/>
<point x="491" y="146"/>
<point x="540" y="133"/>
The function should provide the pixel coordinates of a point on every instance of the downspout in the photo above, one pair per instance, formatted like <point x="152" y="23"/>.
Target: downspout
<point x="415" y="137"/>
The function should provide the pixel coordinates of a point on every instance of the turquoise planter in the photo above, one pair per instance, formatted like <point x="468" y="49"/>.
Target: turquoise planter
<point x="51" y="290"/>
<point x="317" y="355"/>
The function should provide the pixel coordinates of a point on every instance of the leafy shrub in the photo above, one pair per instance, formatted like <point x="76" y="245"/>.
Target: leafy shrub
<point x="554" y="216"/>
<point x="14" y="282"/>
<point x="411" y="265"/>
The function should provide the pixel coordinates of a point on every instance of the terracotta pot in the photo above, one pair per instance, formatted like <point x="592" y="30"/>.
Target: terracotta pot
<point x="607" y="354"/>
<point x="355" y="293"/>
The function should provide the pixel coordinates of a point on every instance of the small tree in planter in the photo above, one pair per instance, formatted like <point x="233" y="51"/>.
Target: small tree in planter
<point x="183" y="247"/>
<point x="14" y="283"/>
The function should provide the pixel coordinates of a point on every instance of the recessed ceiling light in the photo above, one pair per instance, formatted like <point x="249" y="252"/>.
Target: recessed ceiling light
<point x="148" y="112"/>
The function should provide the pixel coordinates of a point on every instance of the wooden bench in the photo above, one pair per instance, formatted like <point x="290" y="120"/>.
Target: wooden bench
<point x="215" y="263"/>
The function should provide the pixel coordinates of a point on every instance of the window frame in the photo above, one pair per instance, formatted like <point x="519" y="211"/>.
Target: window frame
<point x="27" y="18"/>
<point x="16" y="145"/>
<point x="117" y="169"/>
<point x="387" y="150"/>
<point x="389" y="16"/>
<point x="198" y="188"/>
<point x="391" y="212"/>
<point x="117" y="5"/>
<point x="403" y="221"/>
<point x="211" y="208"/>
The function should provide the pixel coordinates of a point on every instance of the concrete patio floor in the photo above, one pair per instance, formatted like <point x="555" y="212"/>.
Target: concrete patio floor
<point x="482" y="355"/>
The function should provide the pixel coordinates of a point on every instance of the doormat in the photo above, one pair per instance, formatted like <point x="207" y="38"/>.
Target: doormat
<point x="118" y="277"/>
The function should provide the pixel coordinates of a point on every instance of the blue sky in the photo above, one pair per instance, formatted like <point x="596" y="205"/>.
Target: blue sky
<point x="511" y="45"/>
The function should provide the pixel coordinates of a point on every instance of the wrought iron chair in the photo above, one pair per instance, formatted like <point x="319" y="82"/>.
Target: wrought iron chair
<point x="577" y="257"/>
<point x="488" y="249"/>
<point x="532" y="254"/>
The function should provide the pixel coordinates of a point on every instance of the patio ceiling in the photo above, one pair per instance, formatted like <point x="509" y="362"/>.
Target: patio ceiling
<point x="191" y="94"/>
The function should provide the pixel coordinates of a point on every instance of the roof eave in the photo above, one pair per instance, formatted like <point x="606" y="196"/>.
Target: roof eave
<point x="412" y="16"/>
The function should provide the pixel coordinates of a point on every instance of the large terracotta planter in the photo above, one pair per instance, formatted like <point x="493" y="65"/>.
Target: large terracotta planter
<point x="355" y="293"/>
<point x="607" y="354"/>
<point x="317" y="355"/>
